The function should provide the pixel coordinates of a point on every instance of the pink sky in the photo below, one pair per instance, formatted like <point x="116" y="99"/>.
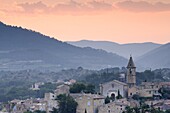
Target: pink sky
<point x="122" y="21"/>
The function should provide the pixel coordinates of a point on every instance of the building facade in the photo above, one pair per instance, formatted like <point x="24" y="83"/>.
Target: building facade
<point x="88" y="102"/>
<point x="112" y="88"/>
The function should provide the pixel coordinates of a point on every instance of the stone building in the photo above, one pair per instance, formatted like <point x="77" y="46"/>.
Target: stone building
<point x="50" y="101"/>
<point x="21" y="106"/>
<point x="111" y="89"/>
<point x="49" y="96"/>
<point x="88" y="102"/>
<point x="127" y="89"/>
<point x="118" y="106"/>
<point x="62" y="89"/>
<point x="132" y="91"/>
<point x="131" y="73"/>
<point x="36" y="86"/>
<point x="38" y="104"/>
<point x="108" y="108"/>
<point x="148" y="89"/>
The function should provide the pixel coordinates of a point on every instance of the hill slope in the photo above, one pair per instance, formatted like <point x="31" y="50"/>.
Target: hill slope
<point x="136" y="49"/>
<point x="157" y="58"/>
<point x="21" y="49"/>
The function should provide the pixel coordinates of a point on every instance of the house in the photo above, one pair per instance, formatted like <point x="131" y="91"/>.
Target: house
<point x="88" y="102"/>
<point x="118" y="106"/>
<point x="50" y="101"/>
<point x="62" y="89"/>
<point x="148" y="89"/>
<point x="108" y="108"/>
<point x="36" y="86"/>
<point x="132" y="91"/>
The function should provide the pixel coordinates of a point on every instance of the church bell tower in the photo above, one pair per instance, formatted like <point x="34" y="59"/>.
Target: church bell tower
<point x="131" y="73"/>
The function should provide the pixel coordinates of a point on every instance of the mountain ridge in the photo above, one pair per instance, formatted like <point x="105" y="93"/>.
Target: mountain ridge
<point x="136" y="49"/>
<point x="19" y="44"/>
<point x="157" y="58"/>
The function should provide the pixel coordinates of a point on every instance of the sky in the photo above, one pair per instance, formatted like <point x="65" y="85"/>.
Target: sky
<point x="121" y="21"/>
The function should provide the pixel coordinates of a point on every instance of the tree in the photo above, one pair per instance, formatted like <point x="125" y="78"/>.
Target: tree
<point x="129" y="110"/>
<point x="55" y="110"/>
<point x="165" y="92"/>
<point x="167" y="111"/>
<point x="136" y="110"/>
<point x="144" y="108"/>
<point x="135" y="97"/>
<point x="66" y="104"/>
<point x="37" y="111"/>
<point x="28" y="112"/>
<point x="77" y="88"/>
<point x="153" y="110"/>
<point x="119" y="96"/>
<point x="107" y="100"/>
<point x="90" y="89"/>
<point x="85" y="111"/>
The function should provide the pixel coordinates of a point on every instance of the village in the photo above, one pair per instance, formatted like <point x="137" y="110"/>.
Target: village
<point x="114" y="96"/>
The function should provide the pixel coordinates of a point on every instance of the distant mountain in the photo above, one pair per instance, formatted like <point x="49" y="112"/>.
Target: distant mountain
<point x="21" y="49"/>
<point x="157" y="58"/>
<point x="136" y="49"/>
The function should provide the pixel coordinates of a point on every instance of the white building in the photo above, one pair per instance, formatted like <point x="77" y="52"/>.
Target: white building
<point x="111" y="89"/>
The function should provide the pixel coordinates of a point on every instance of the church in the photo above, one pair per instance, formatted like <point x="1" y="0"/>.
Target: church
<point x="127" y="89"/>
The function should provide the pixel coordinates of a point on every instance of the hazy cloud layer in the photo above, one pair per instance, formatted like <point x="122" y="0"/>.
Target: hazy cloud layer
<point x="71" y="6"/>
<point x="82" y="6"/>
<point x="143" y="6"/>
<point x="33" y="7"/>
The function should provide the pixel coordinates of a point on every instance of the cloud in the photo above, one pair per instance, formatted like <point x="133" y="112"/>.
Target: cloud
<point x="81" y="7"/>
<point x="143" y="6"/>
<point x="34" y="7"/>
<point x="71" y="7"/>
<point x="101" y="5"/>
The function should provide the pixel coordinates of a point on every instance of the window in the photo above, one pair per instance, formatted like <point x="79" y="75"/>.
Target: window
<point x="149" y="92"/>
<point x="130" y="71"/>
<point x="112" y="85"/>
<point x="88" y="103"/>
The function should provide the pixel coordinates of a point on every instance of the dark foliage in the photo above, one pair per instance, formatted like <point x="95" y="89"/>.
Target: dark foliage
<point x="66" y="104"/>
<point x="80" y="87"/>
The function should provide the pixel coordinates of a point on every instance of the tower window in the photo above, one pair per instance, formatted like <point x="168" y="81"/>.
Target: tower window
<point x="130" y="71"/>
